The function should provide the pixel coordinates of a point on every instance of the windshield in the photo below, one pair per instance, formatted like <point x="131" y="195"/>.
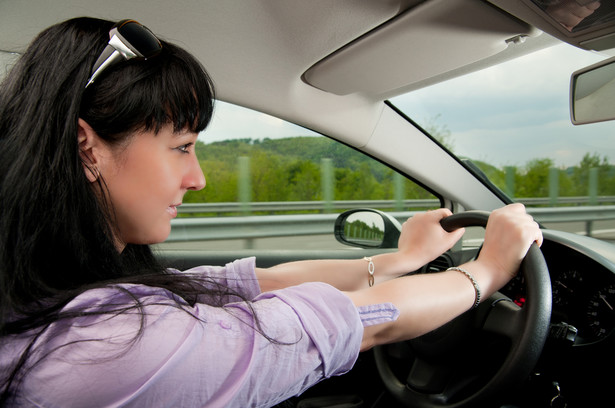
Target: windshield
<point x="513" y="122"/>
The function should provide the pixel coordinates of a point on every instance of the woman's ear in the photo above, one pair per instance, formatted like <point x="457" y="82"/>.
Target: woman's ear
<point x="89" y="144"/>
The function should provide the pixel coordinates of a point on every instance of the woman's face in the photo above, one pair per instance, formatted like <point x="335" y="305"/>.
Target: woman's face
<point x="146" y="181"/>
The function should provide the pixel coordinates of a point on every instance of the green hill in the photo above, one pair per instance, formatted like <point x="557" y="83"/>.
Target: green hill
<point x="291" y="169"/>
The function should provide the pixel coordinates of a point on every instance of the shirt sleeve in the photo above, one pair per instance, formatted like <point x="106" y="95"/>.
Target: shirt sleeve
<point x="377" y="314"/>
<point x="248" y="354"/>
<point x="238" y="276"/>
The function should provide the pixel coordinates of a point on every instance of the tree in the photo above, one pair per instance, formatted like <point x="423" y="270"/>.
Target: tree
<point x="534" y="180"/>
<point x="289" y="170"/>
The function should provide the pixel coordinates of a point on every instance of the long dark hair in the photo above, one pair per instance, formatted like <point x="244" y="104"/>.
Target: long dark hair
<point x="55" y="231"/>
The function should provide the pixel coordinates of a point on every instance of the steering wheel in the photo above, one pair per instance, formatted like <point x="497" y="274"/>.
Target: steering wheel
<point x="478" y="355"/>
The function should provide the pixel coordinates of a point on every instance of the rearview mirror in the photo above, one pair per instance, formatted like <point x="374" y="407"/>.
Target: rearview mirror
<point x="367" y="228"/>
<point x="592" y="93"/>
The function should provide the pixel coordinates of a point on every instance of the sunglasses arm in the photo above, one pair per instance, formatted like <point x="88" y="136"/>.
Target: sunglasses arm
<point x="115" y="51"/>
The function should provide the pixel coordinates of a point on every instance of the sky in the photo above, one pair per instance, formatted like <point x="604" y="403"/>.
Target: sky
<point x="234" y="122"/>
<point x="509" y="114"/>
<point x="484" y="120"/>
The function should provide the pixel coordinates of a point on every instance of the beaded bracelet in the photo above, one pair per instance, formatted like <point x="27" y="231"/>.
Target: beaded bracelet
<point x="474" y="283"/>
<point x="370" y="270"/>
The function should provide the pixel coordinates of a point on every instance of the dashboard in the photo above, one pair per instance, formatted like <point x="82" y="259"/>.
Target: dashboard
<point x="583" y="285"/>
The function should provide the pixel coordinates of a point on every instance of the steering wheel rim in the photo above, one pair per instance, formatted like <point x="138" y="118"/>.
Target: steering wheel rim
<point x="526" y="328"/>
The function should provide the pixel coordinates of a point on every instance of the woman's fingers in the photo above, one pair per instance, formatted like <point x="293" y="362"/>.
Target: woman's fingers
<point x="510" y="232"/>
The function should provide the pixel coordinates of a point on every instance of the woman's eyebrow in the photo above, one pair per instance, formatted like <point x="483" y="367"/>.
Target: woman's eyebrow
<point x="185" y="135"/>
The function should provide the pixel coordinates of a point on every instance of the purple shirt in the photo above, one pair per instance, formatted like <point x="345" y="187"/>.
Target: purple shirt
<point x="217" y="360"/>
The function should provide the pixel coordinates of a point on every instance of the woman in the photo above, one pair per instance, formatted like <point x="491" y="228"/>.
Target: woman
<point x="96" y="154"/>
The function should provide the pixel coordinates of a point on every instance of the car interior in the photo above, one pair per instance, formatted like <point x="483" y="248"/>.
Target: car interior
<point x="333" y="68"/>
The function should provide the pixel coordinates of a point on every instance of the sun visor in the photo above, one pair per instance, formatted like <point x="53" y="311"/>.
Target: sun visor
<point x="431" y="39"/>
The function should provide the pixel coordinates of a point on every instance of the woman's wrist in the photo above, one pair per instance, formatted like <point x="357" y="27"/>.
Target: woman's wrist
<point x="394" y="264"/>
<point x="487" y="277"/>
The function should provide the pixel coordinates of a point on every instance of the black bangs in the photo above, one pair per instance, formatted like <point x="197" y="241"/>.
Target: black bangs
<point x="172" y="87"/>
<point x="188" y="96"/>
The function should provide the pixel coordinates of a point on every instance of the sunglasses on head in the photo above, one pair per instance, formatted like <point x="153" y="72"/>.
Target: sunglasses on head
<point x="128" y="39"/>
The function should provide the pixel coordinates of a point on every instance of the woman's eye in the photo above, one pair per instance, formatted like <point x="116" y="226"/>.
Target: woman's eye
<point x="185" y="148"/>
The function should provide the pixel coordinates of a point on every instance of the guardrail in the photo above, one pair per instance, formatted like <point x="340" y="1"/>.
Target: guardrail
<point x="268" y="226"/>
<point x="246" y="208"/>
<point x="288" y="206"/>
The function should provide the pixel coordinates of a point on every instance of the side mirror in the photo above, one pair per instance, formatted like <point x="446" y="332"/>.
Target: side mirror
<point x="367" y="228"/>
<point x="592" y="93"/>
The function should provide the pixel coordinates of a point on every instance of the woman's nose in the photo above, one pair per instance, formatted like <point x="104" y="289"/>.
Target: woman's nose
<point x="195" y="179"/>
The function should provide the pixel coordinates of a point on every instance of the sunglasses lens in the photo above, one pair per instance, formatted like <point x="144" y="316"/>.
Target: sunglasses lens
<point x="141" y="38"/>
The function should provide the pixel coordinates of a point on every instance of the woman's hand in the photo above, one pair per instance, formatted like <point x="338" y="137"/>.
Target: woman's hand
<point x="509" y="234"/>
<point x="423" y="239"/>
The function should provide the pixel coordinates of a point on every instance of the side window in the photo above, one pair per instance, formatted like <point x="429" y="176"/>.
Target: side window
<point x="7" y="60"/>
<point x="274" y="185"/>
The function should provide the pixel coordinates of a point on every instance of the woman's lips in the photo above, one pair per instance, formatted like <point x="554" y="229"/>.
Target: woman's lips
<point x="172" y="210"/>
